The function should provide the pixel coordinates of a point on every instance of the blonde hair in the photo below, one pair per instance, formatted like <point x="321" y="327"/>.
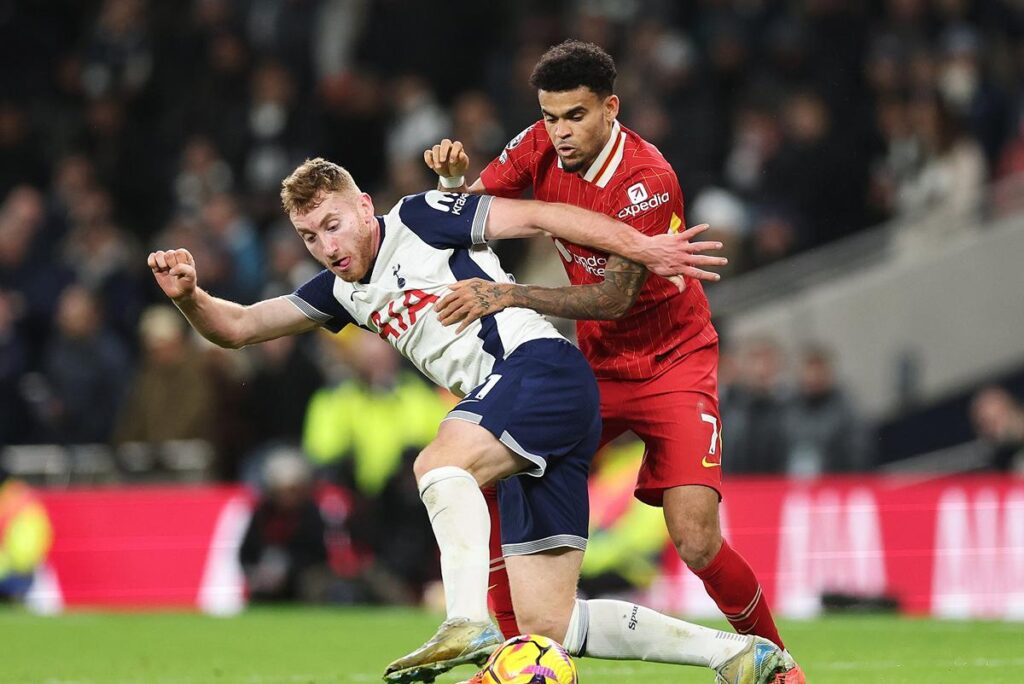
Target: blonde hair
<point x="305" y="188"/>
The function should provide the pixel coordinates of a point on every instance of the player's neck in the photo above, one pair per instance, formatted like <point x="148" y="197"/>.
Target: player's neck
<point x="593" y="167"/>
<point x="376" y="238"/>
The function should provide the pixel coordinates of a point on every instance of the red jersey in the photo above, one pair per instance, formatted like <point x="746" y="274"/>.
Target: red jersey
<point x="632" y="182"/>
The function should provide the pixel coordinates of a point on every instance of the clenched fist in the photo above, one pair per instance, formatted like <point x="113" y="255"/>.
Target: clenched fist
<point x="447" y="159"/>
<point x="175" y="272"/>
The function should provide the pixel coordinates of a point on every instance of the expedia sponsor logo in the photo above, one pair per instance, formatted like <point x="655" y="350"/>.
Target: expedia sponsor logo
<point x="643" y="205"/>
<point x="637" y="193"/>
<point x="448" y="202"/>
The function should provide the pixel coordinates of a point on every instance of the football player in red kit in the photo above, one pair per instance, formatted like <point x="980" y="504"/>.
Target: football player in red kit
<point x="651" y="343"/>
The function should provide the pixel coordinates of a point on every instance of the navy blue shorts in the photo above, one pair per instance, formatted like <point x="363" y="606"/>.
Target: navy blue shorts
<point x="542" y="403"/>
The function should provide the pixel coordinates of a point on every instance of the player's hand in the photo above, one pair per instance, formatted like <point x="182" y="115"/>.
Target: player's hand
<point x="447" y="159"/>
<point x="175" y="272"/>
<point x="471" y="300"/>
<point x="673" y="254"/>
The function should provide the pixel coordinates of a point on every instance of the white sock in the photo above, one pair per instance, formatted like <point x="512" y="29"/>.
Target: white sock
<point x="617" y="630"/>
<point x="462" y="527"/>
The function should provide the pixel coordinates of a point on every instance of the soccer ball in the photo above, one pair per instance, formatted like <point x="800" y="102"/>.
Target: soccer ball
<point x="530" y="659"/>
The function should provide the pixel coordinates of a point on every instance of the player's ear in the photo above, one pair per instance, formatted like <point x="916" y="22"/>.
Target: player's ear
<point x="611" y="107"/>
<point x="365" y="206"/>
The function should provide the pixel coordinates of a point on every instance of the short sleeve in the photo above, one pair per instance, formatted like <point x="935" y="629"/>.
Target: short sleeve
<point x="315" y="298"/>
<point x="512" y="171"/>
<point x="446" y="219"/>
<point x="649" y="200"/>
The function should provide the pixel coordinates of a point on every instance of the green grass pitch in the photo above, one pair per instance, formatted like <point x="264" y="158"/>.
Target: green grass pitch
<point x="313" y="646"/>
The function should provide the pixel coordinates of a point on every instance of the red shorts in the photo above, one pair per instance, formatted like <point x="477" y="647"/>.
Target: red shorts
<point x="676" y="416"/>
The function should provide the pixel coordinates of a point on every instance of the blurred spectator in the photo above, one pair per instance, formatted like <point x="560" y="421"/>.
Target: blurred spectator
<point x="19" y="153"/>
<point x="85" y="370"/>
<point x="288" y="262"/>
<point x="999" y="423"/>
<point x="203" y="173"/>
<point x="757" y="140"/>
<point x="627" y="539"/>
<point x="336" y="34"/>
<point x="127" y="157"/>
<point x="118" y="57"/>
<point x="13" y="365"/>
<point x="171" y="396"/>
<point x="364" y="434"/>
<point x="354" y="123"/>
<point x="970" y="93"/>
<point x="419" y="120"/>
<point x="279" y="134"/>
<point x="475" y="123"/>
<point x="817" y="176"/>
<point x="284" y="553"/>
<point x="947" y="189"/>
<point x="727" y="216"/>
<point x="753" y="413"/>
<point x="237" y="236"/>
<point x="73" y="178"/>
<point x="824" y="434"/>
<point x="25" y="536"/>
<point x="128" y="122"/>
<point x="897" y="159"/>
<point x="105" y="260"/>
<point x="275" y="396"/>
<point x="27" y="270"/>
<point x="774" y="235"/>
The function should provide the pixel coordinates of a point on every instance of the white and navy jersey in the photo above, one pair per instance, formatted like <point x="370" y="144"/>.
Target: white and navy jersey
<point x="428" y="242"/>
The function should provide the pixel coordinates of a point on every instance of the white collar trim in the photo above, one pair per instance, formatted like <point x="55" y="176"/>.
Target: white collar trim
<point x="607" y="162"/>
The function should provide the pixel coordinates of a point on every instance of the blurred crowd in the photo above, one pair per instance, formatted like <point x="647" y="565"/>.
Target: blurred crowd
<point x="127" y="125"/>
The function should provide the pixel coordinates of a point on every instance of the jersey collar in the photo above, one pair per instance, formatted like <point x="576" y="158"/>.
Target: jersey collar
<point x="609" y="159"/>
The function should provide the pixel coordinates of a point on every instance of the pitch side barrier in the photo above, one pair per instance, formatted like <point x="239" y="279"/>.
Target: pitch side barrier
<point x="949" y="546"/>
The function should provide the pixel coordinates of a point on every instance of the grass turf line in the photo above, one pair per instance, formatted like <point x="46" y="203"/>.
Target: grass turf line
<point x="342" y="646"/>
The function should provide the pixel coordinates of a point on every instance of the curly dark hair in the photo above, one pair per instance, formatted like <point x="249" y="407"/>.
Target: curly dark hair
<point x="572" y="64"/>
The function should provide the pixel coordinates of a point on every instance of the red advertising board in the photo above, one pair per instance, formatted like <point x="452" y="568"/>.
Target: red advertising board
<point x="949" y="547"/>
<point x="145" y="547"/>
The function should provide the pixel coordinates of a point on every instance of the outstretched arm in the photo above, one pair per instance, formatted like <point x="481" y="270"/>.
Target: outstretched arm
<point x="225" y="323"/>
<point x="472" y="299"/>
<point x="668" y="254"/>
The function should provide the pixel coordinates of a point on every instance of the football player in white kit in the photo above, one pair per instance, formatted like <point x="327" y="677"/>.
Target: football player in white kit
<point x="528" y="418"/>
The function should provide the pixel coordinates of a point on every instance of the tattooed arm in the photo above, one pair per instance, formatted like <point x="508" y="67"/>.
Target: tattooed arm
<point x="470" y="300"/>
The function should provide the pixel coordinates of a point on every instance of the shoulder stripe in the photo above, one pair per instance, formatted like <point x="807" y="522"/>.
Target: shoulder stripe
<point x="307" y="309"/>
<point x="483" y="207"/>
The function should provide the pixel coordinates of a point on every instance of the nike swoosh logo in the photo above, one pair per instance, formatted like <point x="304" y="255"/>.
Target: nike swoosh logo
<point x="491" y="587"/>
<point x="708" y="464"/>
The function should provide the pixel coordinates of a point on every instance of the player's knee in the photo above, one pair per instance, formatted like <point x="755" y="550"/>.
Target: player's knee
<point x="427" y="460"/>
<point x="698" y="543"/>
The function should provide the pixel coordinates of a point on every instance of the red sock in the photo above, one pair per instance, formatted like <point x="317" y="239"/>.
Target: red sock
<point x="734" y="587"/>
<point x="497" y="586"/>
